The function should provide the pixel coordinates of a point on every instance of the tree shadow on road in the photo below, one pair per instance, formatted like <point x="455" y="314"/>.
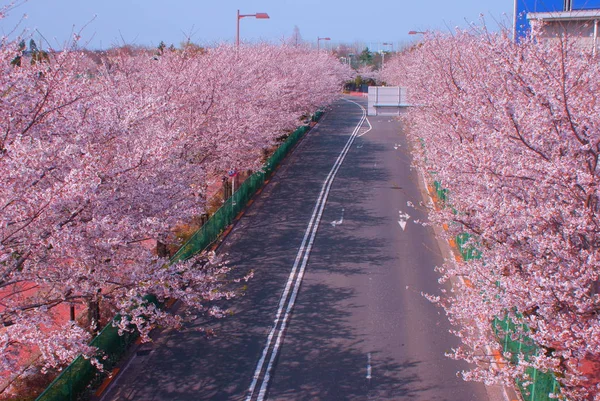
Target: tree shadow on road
<point x="214" y="359"/>
<point x="325" y="357"/>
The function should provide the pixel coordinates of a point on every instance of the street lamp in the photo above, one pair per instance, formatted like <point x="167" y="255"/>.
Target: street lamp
<point x="383" y="52"/>
<point x="350" y="55"/>
<point x="416" y="32"/>
<point x="239" y="17"/>
<point x="319" y="41"/>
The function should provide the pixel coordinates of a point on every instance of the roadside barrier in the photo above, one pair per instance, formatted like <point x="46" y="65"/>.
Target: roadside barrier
<point x="80" y="376"/>
<point x="223" y="217"/>
<point x="76" y="378"/>
<point x="543" y="384"/>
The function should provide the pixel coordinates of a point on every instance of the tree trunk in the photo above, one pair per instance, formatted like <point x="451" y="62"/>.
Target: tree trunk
<point x="94" y="315"/>
<point x="226" y="189"/>
<point x="162" y="250"/>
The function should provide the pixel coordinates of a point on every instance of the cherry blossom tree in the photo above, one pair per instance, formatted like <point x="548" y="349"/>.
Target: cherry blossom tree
<point x="98" y="156"/>
<point x="512" y="131"/>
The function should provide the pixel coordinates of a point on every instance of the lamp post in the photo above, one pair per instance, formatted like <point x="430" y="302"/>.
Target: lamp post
<point x="319" y="42"/>
<point x="383" y="52"/>
<point x="416" y="32"/>
<point x="239" y="17"/>
<point x="350" y="55"/>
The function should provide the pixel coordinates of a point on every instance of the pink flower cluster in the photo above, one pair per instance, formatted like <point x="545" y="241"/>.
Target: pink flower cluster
<point x="512" y="130"/>
<point x="101" y="152"/>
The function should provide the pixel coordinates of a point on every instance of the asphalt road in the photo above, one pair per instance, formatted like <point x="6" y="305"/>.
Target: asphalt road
<point x="343" y="234"/>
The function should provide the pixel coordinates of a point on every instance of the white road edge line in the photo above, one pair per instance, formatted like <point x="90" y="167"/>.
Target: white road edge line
<point x="311" y="230"/>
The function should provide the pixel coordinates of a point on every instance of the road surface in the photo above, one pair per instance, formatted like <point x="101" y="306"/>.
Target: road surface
<point x="335" y="310"/>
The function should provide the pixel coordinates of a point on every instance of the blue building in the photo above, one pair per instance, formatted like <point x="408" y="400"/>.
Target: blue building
<point x="564" y="10"/>
<point x="579" y="18"/>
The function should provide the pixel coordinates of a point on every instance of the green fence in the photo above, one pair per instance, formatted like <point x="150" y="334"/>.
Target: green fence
<point x="80" y="376"/>
<point x="76" y="378"/>
<point x="223" y="217"/>
<point x="542" y="383"/>
<point x="467" y="250"/>
<point x="441" y="193"/>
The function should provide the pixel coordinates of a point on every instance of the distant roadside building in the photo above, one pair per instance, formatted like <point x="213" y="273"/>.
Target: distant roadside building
<point x="578" y="18"/>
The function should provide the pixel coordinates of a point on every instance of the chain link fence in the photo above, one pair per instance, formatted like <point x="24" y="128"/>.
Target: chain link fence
<point x="78" y="379"/>
<point x="516" y="346"/>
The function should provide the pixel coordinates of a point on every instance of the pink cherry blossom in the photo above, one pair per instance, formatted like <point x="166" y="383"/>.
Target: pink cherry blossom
<point x="512" y="131"/>
<point x="100" y="154"/>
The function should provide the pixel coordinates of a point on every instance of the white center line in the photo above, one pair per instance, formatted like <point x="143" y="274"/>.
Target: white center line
<point x="296" y="275"/>
<point x="368" y="122"/>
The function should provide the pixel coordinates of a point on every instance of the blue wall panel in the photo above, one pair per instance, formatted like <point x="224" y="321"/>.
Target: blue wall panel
<point x="536" y="6"/>
<point x="586" y="4"/>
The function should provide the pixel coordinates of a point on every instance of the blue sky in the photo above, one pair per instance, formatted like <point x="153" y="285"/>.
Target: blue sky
<point x="147" y="22"/>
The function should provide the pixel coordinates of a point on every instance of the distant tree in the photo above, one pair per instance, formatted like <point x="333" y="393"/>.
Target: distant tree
<point x="367" y="75"/>
<point x="16" y="62"/>
<point x="192" y="48"/>
<point x="366" y="57"/>
<point x="161" y="48"/>
<point x="343" y="50"/>
<point x="296" y="38"/>
<point x="37" y="55"/>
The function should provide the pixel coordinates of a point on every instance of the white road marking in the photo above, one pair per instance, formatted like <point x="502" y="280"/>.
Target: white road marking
<point x="369" y="366"/>
<point x="297" y="274"/>
<point x="340" y="221"/>
<point x="403" y="219"/>
<point x="368" y="122"/>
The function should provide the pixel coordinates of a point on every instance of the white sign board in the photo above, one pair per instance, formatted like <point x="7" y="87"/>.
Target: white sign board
<point x="386" y="100"/>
